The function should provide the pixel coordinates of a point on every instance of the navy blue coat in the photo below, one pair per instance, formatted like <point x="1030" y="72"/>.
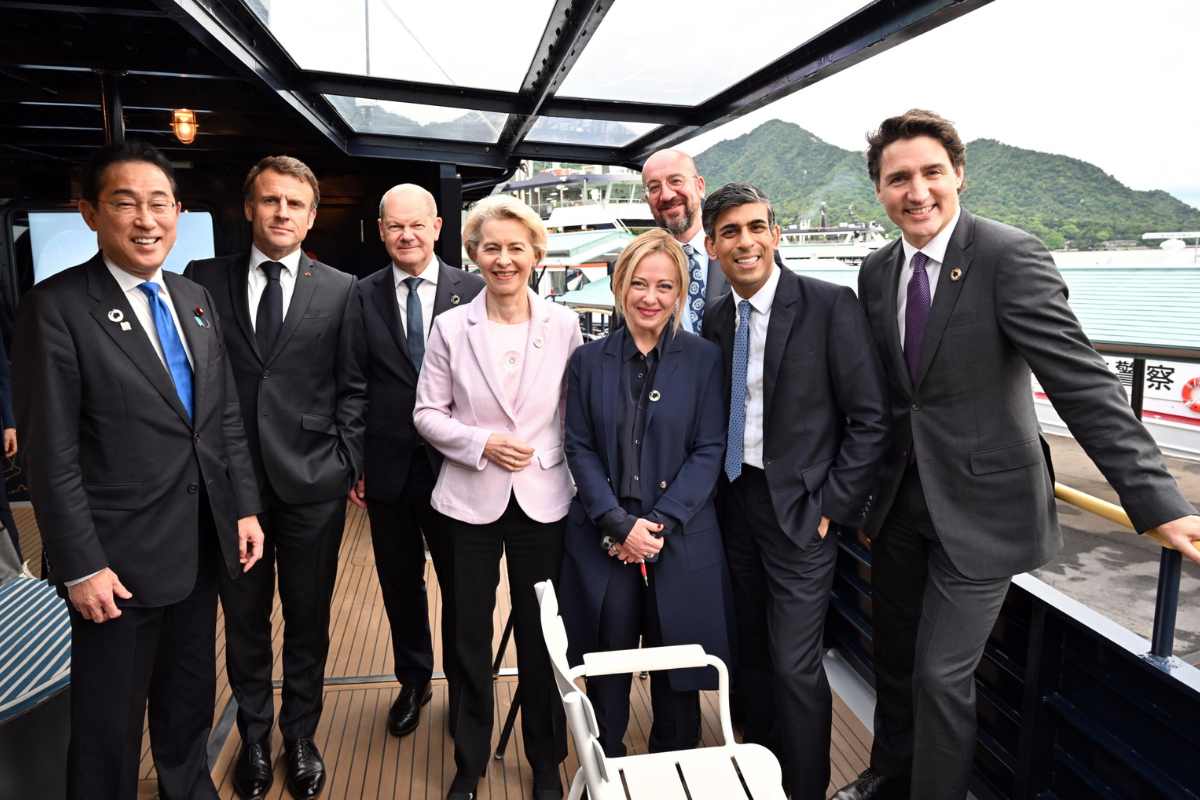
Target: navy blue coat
<point x="684" y="445"/>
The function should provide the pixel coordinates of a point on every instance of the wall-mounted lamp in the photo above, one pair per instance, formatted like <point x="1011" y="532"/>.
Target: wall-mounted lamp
<point x="183" y="122"/>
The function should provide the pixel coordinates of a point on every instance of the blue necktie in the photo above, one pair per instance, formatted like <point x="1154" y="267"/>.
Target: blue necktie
<point x="736" y="442"/>
<point x="695" y="307"/>
<point x="172" y="346"/>
<point x="916" y="313"/>
<point x="416" y="324"/>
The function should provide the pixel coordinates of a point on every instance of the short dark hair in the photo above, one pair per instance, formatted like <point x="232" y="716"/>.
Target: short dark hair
<point x="730" y="196"/>
<point x="107" y="156"/>
<point x="284" y="165"/>
<point x="909" y="125"/>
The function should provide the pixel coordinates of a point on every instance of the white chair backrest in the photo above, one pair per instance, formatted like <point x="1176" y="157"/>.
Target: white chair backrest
<point x="581" y="718"/>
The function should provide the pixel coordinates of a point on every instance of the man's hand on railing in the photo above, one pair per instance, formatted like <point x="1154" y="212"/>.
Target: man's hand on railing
<point x="1183" y="533"/>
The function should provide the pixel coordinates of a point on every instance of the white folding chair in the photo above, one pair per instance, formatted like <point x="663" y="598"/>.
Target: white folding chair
<point x="730" y="771"/>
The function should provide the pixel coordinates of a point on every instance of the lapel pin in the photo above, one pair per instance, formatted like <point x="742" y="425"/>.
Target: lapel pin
<point x="655" y="395"/>
<point x="125" y="326"/>
<point x="199" y="317"/>
<point x="116" y="315"/>
<point x="454" y="299"/>
<point x="956" y="274"/>
<point x="308" y="273"/>
<point x="537" y="342"/>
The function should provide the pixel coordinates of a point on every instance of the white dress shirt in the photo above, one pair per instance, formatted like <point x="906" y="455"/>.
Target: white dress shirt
<point x="936" y="250"/>
<point x="760" y="316"/>
<point x="258" y="281"/>
<point x="697" y="244"/>
<point x="129" y="284"/>
<point x="426" y="292"/>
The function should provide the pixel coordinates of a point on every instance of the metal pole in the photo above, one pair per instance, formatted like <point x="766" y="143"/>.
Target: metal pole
<point x="1166" y="601"/>
<point x="110" y="104"/>
<point x="1162" y="642"/>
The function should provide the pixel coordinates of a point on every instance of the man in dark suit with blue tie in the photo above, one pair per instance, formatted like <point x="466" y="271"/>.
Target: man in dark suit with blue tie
<point x="399" y="303"/>
<point x="807" y="427"/>
<point x="962" y="310"/>
<point x="289" y="326"/>
<point x="140" y="478"/>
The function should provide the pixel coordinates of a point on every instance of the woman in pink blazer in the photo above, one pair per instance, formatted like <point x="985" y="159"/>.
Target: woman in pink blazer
<point x="490" y="399"/>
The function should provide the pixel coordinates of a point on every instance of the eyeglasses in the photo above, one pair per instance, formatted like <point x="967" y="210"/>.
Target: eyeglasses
<point x="675" y="182"/>
<point x="128" y="208"/>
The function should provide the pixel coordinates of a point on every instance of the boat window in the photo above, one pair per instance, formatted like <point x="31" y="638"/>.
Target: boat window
<point x="607" y="133"/>
<point x="452" y="42"/>
<point x="672" y="51"/>
<point x="411" y="119"/>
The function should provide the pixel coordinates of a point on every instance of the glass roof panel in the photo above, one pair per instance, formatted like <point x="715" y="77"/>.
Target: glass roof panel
<point x="452" y="42"/>
<point x="684" y="52"/>
<point x="598" y="132"/>
<point x="365" y="115"/>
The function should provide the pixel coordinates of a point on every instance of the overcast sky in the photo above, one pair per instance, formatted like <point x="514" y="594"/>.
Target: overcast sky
<point x="1112" y="82"/>
<point x="1107" y="81"/>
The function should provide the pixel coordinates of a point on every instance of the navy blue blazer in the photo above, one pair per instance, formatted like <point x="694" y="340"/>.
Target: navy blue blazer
<point x="684" y="445"/>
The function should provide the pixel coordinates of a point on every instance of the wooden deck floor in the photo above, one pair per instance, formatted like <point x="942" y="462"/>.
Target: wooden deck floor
<point x="362" y="760"/>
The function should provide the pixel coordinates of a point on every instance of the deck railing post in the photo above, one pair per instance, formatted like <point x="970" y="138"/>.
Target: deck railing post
<point x="1162" y="642"/>
<point x="1166" y="601"/>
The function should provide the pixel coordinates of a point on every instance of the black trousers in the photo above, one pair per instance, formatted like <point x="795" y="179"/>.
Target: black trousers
<point x="6" y="518"/>
<point x="534" y="553"/>
<point x="164" y="656"/>
<point x="396" y="537"/>
<point x="931" y="623"/>
<point x="301" y="544"/>
<point x="781" y="593"/>
<point x="630" y="614"/>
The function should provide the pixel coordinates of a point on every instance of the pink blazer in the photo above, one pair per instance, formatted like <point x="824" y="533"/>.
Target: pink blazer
<point x="460" y="403"/>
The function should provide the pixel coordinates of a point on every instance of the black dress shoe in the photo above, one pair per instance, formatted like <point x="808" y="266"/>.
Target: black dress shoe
<point x="305" y="769"/>
<point x="405" y="713"/>
<point x="870" y="785"/>
<point x="547" y="786"/>
<point x="462" y="788"/>
<point x="252" y="774"/>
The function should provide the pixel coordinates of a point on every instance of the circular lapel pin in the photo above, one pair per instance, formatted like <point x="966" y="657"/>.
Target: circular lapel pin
<point x="116" y="315"/>
<point x="454" y="299"/>
<point x="537" y="342"/>
<point x="655" y="395"/>
<point x="956" y="274"/>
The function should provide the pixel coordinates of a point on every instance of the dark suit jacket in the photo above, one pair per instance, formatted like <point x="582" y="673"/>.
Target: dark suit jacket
<point x="999" y="309"/>
<point x="113" y="464"/>
<point x="382" y="351"/>
<point x="302" y="403"/>
<point x="7" y="419"/>
<point x="682" y="452"/>
<point x="825" y="412"/>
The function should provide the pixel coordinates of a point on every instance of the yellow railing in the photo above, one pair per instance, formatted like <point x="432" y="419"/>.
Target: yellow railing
<point x="1102" y="508"/>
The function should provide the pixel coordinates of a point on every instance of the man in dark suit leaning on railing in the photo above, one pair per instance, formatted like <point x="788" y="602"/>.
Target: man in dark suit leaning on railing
<point x="962" y="309"/>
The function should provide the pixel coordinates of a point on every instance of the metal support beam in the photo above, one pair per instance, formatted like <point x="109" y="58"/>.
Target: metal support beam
<point x="449" y="203"/>
<point x="260" y="59"/>
<point x="1166" y="603"/>
<point x="110" y="105"/>
<point x="872" y="30"/>
<point x="571" y="25"/>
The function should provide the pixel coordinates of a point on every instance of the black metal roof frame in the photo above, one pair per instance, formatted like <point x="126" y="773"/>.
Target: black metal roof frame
<point x="231" y="48"/>
<point x="228" y="27"/>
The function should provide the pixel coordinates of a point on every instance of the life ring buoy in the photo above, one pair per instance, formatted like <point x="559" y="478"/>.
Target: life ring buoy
<point x="1191" y="395"/>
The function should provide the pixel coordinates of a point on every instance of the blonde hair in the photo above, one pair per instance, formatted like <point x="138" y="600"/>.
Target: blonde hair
<point x="651" y="242"/>
<point x="500" y="207"/>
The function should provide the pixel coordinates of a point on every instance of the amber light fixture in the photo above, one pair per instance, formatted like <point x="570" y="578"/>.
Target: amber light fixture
<point x="183" y="122"/>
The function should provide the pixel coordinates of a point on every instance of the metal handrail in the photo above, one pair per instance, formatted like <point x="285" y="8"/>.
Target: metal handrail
<point x="1102" y="508"/>
<point x="1166" y="603"/>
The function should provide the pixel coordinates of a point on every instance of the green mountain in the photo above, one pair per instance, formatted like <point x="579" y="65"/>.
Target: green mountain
<point x="1063" y="200"/>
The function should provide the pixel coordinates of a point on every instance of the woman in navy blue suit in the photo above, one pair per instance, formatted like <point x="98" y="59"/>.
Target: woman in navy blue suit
<point x="645" y="435"/>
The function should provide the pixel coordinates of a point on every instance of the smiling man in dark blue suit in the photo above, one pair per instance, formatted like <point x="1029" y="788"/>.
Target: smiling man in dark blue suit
<point x="807" y="426"/>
